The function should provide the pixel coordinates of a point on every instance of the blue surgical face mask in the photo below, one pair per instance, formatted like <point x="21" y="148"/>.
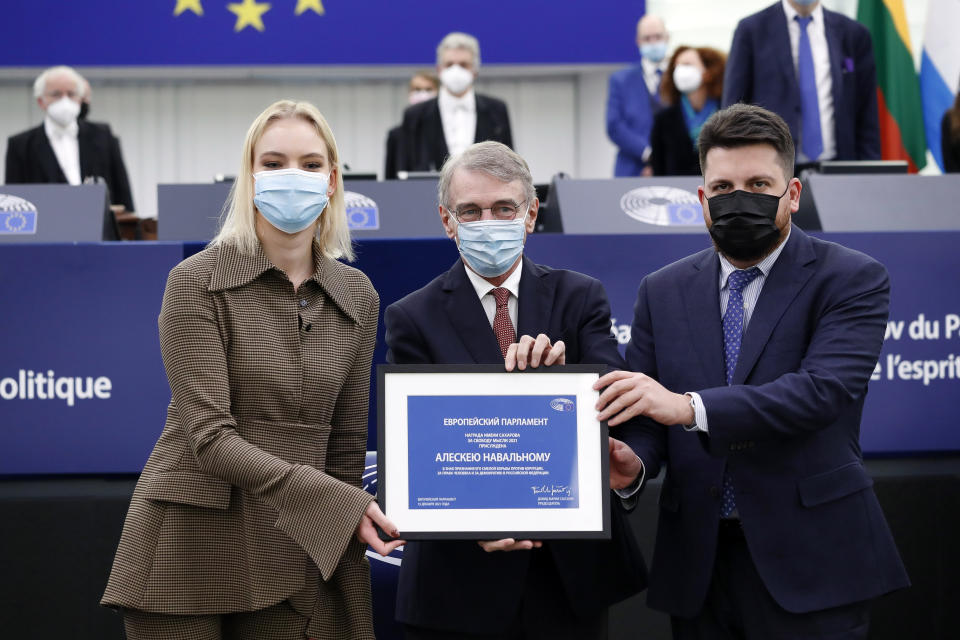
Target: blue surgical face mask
<point x="805" y="3"/>
<point x="290" y="199"/>
<point x="491" y="247"/>
<point x="654" y="51"/>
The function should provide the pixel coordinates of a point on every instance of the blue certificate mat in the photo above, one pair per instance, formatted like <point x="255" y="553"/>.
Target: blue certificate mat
<point x="492" y="452"/>
<point x="475" y="452"/>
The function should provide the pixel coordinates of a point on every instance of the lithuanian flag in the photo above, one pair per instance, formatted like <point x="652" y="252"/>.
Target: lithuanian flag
<point x="898" y="87"/>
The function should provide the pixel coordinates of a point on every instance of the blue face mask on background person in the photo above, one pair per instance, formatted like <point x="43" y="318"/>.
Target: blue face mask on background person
<point x="491" y="247"/>
<point x="290" y="199"/>
<point x="654" y="51"/>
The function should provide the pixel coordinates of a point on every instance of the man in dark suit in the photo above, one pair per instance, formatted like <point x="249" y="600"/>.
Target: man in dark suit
<point x="457" y="117"/>
<point x="813" y="67"/>
<point x="754" y="358"/>
<point x="65" y="149"/>
<point x="633" y="98"/>
<point x="423" y="86"/>
<point x="508" y="589"/>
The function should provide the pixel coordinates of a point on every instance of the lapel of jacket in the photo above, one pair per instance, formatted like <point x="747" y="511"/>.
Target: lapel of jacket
<point x="535" y="303"/>
<point x="831" y="27"/>
<point x="468" y="318"/>
<point x="85" y="143"/>
<point x="779" y="33"/>
<point x="439" y="152"/>
<point x="484" y="129"/>
<point x="790" y="272"/>
<point x="701" y="292"/>
<point x="47" y="158"/>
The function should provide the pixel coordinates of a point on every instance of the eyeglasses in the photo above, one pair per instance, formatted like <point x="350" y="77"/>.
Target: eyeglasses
<point x="499" y="211"/>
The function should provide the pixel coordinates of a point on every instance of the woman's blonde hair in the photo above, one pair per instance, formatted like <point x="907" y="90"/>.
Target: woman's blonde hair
<point x="238" y="221"/>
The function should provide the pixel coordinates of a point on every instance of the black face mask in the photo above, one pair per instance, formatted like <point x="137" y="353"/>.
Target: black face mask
<point x="84" y="110"/>
<point x="744" y="223"/>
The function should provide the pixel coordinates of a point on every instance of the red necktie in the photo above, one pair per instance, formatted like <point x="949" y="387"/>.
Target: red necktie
<point x="502" y="326"/>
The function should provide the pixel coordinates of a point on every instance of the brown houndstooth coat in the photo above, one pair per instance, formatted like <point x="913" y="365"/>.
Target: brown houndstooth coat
<point x="253" y="488"/>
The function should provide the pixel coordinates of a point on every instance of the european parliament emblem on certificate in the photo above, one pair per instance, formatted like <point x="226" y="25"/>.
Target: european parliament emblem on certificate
<point x="475" y="452"/>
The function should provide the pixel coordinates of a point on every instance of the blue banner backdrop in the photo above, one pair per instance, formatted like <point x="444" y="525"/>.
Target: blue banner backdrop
<point x="90" y="312"/>
<point x="327" y="32"/>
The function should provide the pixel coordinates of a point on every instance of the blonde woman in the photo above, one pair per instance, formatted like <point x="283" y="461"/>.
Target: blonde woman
<point x="248" y="520"/>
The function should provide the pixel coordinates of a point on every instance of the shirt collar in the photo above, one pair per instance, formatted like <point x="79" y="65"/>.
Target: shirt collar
<point x="450" y="102"/>
<point x="764" y="265"/>
<point x="54" y="131"/>
<point x="817" y="13"/>
<point x="234" y="269"/>
<point x="482" y="287"/>
<point x="650" y="67"/>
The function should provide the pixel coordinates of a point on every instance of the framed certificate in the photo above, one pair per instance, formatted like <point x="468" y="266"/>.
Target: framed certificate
<point x="473" y="452"/>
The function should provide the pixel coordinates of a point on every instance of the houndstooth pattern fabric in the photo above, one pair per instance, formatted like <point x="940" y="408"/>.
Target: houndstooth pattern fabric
<point x="279" y="622"/>
<point x="253" y="489"/>
<point x="732" y="335"/>
<point x="502" y="326"/>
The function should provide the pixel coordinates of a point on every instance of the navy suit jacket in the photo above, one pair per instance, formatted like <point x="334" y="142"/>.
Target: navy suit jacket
<point x="787" y="429"/>
<point x="630" y="111"/>
<point x="423" y="145"/>
<point x="760" y="71"/>
<point x="31" y="160"/>
<point x="456" y="585"/>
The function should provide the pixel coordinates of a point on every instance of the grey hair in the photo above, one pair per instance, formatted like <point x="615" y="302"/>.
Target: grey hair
<point x="494" y="159"/>
<point x="40" y="84"/>
<point x="460" y="40"/>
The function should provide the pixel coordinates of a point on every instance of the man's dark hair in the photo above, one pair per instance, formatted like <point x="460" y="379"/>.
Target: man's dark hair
<point x="740" y="125"/>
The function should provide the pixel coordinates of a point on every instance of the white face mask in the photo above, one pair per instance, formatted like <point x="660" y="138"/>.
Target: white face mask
<point x="687" y="78"/>
<point x="63" y="111"/>
<point x="456" y="79"/>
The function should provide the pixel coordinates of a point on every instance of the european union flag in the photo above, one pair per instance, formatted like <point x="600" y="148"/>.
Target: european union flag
<point x="363" y="218"/>
<point x="18" y="222"/>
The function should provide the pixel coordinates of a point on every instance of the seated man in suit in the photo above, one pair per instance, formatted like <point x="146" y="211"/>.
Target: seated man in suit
<point x="634" y="98"/>
<point x="814" y="68"/>
<point x="457" y="117"/>
<point x="423" y="86"/>
<point x="65" y="149"/>
<point x="473" y="313"/>
<point x="754" y="357"/>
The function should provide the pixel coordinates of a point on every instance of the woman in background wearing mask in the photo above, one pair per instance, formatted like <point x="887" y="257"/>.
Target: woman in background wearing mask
<point x="248" y="520"/>
<point x="950" y="137"/>
<point x="691" y="90"/>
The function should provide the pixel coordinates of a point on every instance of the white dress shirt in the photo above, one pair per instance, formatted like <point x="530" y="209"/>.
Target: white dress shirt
<point x="459" y="118"/>
<point x="652" y="74"/>
<point x="485" y="293"/>
<point x="751" y="293"/>
<point x="821" y="68"/>
<point x="65" y="147"/>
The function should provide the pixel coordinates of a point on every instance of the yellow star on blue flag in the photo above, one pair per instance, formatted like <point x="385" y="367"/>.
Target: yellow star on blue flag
<point x="192" y="5"/>
<point x="249" y="14"/>
<point x="304" y="5"/>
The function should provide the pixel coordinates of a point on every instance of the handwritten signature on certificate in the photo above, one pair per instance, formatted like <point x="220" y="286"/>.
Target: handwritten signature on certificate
<point x="551" y="489"/>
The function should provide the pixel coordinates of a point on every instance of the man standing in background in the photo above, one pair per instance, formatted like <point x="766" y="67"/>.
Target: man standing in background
<point x="423" y="86"/>
<point x="65" y="149"/>
<point x="634" y="98"/>
<point x="815" y="69"/>
<point x="458" y="116"/>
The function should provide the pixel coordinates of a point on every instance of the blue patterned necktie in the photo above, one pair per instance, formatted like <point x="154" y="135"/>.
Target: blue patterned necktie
<point x="732" y="334"/>
<point x="811" y="138"/>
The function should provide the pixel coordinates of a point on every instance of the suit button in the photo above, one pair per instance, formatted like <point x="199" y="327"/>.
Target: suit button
<point x="714" y="492"/>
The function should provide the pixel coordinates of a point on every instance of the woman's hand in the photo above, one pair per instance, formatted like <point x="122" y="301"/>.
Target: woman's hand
<point x="367" y="532"/>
